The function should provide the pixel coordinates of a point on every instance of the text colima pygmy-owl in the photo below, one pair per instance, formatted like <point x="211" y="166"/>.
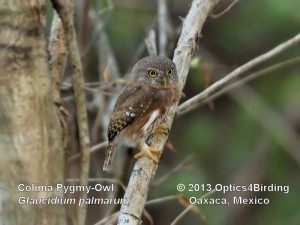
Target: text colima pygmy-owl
<point x="144" y="102"/>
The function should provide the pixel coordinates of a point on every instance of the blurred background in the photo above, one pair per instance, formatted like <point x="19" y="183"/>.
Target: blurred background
<point x="248" y="135"/>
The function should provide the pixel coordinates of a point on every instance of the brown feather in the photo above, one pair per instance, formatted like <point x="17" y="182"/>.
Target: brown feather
<point x="127" y="110"/>
<point x="109" y="156"/>
<point x="142" y="105"/>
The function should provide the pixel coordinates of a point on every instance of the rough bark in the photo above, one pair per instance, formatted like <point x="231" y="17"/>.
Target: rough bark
<point x="30" y="140"/>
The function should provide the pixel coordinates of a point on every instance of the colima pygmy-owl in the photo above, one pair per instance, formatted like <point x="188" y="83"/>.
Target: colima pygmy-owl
<point x="144" y="102"/>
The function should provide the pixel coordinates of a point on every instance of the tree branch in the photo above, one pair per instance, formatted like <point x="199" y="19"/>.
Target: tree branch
<point x="215" y="16"/>
<point x="162" y="26"/>
<point x="150" y="43"/>
<point x="92" y="149"/>
<point x="191" y="103"/>
<point x="244" y="81"/>
<point x="65" y="11"/>
<point x="58" y="54"/>
<point x="144" y="169"/>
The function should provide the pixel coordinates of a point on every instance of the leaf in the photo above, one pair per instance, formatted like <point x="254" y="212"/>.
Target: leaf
<point x="206" y="78"/>
<point x="206" y="72"/>
<point x="195" y="63"/>
<point x="170" y="146"/>
<point x="106" y="73"/>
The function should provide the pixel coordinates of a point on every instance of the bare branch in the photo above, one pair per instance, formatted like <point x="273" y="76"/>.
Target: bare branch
<point x="144" y="169"/>
<point x="215" y="16"/>
<point x="93" y="149"/>
<point x="58" y="54"/>
<point x="178" y="168"/>
<point x="162" y="26"/>
<point x="65" y="11"/>
<point x="246" y="79"/>
<point x="141" y="47"/>
<point x="191" y="103"/>
<point x="163" y="199"/>
<point x="184" y="212"/>
<point x="150" y="43"/>
<point x="84" y="25"/>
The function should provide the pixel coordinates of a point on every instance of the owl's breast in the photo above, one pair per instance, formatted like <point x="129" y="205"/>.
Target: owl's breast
<point x="142" y="128"/>
<point x="157" y="109"/>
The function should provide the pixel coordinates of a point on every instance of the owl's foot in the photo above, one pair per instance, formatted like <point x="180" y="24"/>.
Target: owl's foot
<point x="150" y="153"/>
<point x="162" y="129"/>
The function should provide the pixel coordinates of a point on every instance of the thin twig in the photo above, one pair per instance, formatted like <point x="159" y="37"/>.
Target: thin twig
<point x="150" y="43"/>
<point x="162" y="26"/>
<point x="180" y="167"/>
<point x="141" y="47"/>
<point x="99" y="85"/>
<point x="58" y="60"/>
<point x="184" y="212"/>
<point x="105" y="105"/>
<point x="215" y="16"/>
<point x="163" y="199"/>
<point x="189" y="104"/>
<point x="65" y="11"/>
<point x="96" y="26"/>
<point x="93" y="149"/>
<point x="58" y="54"/>
<point x="244" y="81"/>
<point x="84" y="25"/>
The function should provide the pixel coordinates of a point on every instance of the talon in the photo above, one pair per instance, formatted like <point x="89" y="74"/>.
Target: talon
<point x="162" y="129"/>
<point x="149" y="152"/>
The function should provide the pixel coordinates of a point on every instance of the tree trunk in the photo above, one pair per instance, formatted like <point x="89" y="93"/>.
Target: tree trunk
<point x="30" y="141"/>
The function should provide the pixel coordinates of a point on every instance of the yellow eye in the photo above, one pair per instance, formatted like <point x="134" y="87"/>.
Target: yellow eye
<point x="171" y="72"/>
<point x="152" y="73"/>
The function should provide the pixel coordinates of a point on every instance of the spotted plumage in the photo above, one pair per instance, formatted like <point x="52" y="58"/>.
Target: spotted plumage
<point x="151" y="89"/>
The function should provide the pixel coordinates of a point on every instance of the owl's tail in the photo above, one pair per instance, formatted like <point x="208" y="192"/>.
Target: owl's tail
<point x="110" y="151"/>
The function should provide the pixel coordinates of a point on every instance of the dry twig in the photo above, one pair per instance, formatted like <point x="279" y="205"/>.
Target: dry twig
<point x="162" y="26"/>
<point x="65" y="11"/>
<point x="193" y="102"/>
<point x="150" y="43"/>
<point x="163" y="199"/>
<point x="215" y="16"/>
<point x="184" y="212"/>
<point x="93" y="149"/>
<point x="180" y="167"/>
<point x="58" y="54"/>
<point x="245" y="80"/>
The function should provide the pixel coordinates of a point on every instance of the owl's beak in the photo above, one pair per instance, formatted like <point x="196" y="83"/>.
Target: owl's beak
<point x="165" y="81"/>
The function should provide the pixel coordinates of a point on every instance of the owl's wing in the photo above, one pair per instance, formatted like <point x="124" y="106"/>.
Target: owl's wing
<point x="131" y="104"/>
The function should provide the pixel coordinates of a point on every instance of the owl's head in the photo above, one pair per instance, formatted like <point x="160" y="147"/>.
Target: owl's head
<point x="156" y="70"/>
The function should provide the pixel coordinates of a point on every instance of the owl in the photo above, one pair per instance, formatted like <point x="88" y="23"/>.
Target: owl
<point x="144" y="102"/>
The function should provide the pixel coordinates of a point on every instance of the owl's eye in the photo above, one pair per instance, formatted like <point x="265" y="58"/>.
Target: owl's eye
<point x="152" y="73"/>
<point x="171" y="72"/>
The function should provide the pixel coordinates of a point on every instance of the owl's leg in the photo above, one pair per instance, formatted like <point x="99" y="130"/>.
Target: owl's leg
<point x="162" y="129"/>
<point x="147" y="151"/>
